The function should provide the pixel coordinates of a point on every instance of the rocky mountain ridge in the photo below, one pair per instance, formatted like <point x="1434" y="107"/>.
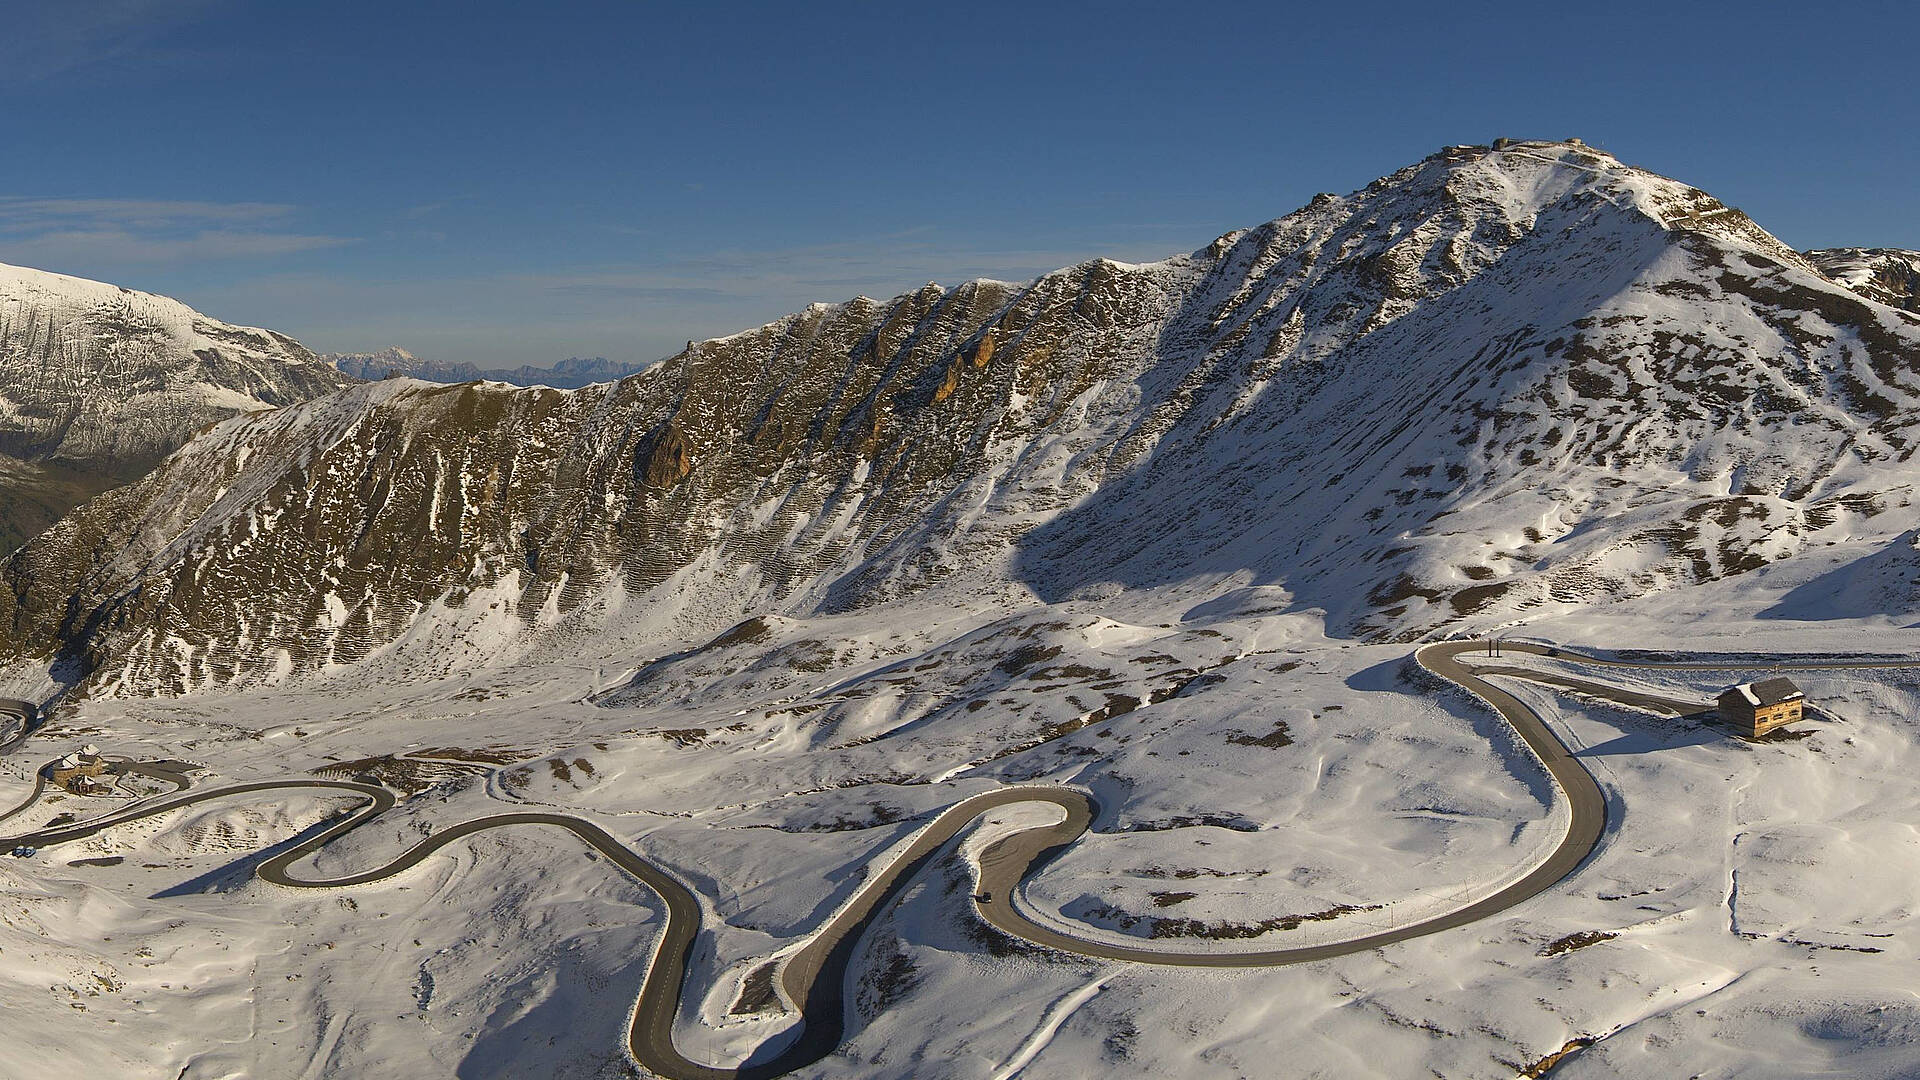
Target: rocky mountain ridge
<point x="98" y="383"/>
<point x="1496" y="382"/>
<point x="1888" y="275"/>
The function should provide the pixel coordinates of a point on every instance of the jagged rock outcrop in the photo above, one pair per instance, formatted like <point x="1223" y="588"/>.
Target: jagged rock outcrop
<point x="98" y="383"/>
<point x="669" y="461"/>
<point x="1495" y="382"/>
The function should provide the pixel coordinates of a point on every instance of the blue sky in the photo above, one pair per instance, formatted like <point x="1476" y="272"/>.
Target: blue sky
<point x="510" y="182"/>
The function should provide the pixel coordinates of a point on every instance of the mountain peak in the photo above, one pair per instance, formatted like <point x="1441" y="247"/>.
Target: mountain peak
<point x="99" y="382"/>
<point x="62" y="296"/>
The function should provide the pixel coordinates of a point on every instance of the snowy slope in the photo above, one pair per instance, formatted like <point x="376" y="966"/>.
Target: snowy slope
<point x="1752" y="908"/>
<point x="97" y="383"/>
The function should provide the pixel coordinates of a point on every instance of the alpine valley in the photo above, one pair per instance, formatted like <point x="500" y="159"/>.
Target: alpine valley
<point x="1164" y="536"/>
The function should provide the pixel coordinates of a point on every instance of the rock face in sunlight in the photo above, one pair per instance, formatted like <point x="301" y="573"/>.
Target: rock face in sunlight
<point x="1495" y="382"/>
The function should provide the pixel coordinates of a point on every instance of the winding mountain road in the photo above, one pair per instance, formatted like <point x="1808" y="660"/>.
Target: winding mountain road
<point x="1004" y="865"/>
<point x="39" y="786"/>
<point x="813" y="978"/>
<point x="16" y="721"/>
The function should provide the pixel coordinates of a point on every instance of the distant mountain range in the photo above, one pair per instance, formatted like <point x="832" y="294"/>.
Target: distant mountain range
<point x="569" y="374"/>
<point x="1498" y="383"/>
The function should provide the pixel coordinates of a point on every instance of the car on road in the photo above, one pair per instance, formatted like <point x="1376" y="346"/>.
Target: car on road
<point x="24" y="852"/>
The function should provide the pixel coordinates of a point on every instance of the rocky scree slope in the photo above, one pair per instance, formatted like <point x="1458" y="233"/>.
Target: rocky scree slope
<point x="98" y="383"/>
<point x="1492" y="383"/>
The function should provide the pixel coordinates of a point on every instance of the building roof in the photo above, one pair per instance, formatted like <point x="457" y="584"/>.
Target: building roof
<point x="1774" y="691"/>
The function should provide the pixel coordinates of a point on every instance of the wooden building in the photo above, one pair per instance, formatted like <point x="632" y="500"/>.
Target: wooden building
<point x="1756" y="708"/>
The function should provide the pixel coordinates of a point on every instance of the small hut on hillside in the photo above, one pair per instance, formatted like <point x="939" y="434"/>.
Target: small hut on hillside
<point x="1756" y="708"/>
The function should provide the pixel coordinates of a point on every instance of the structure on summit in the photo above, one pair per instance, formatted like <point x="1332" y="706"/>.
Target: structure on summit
<point x="1756" y="708"/>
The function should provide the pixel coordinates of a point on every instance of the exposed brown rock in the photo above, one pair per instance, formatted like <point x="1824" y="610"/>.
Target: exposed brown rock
<point x="670" y="461"/>
<point x="1546" y="1064"/>
<point x="983" y="355"/>
<point x="949" y="384"/>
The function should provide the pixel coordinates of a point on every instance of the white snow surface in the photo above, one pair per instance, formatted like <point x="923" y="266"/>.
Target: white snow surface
<point x="1758" y="895"/>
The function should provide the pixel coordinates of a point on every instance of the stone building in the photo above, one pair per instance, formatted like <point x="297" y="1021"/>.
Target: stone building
<point x="1756" y="708"/>
<point x="79" y="769"/>
<point x="90" y="785"/>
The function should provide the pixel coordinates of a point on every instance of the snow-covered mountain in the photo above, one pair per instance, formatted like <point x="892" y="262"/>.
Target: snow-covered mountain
<point x="392" y="360"/>
<point x="1497" y="382"/>
<point x="98" y="383"/>
<point x="569" y="374"/>
<point x="1153" y="533"/>
<point x="1889" y="275"/>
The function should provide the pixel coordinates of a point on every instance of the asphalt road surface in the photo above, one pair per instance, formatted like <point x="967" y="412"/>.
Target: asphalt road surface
<point x="16" y="718"/>
<point x="814" y="977"/>
<point x="39" y="786"/>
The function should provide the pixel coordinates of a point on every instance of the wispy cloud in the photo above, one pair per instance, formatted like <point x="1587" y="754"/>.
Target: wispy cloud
<point x="23" y="211"/>
<point x="44" y="40"/>
<point x="60" y="232"/>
